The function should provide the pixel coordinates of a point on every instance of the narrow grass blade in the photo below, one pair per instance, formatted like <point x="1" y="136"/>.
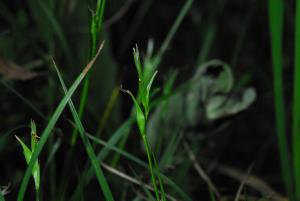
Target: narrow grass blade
<point x="89" y="149"/>
<point x="88" y="173"/>
<point x="137" y="61"/>
<point x="210" y="33"/>
<point x="142" y="164"/>
<point x="48" y="129"/>
<point x="276" y="27"/>
<point x="173" y="30"/>
<point x="52" y="21"/>
<point x="207" y="44"/>
<point x="95" y="29"/>
<point x="108" y="111"/>
<point x="169" y="152"/>
<point x="296" y="105"/>
<point x="161" y="185"/>
<point x="36" y="168"/>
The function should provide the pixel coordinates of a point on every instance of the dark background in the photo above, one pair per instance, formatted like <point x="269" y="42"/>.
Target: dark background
<point x="241" y="38"/>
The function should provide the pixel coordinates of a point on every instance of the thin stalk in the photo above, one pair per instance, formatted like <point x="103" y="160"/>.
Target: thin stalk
<point x="37" y="195"/>
<point x="151" y="166"/>
<point x="296" y="106"/>
<point x="141" y="163"/>
<point x="207" y="44"/>
<point x="95" y="29"/>
<point x="161" y="185"/>
<point x="276" y="27"/>
<point x="108" y="110"/>
<point x="173" y="30"/>
<point x="210" y="32"/>
<point x="83" y="98"/>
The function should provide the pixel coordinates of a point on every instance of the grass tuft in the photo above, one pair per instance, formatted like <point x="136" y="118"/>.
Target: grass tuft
<point x="46" y="133"/>
<point x="89" y="149"/>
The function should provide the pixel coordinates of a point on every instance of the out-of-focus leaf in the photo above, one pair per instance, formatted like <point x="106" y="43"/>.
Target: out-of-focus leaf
<point x="13" y="71"/>
<point x="213" y="77"/>
<point x="211" y="84"/>
<point x="4" y="190"/>
<point x="221" y="106"/>
<point x="207" y="96"/>
<point x="215" y="107"/>
<point x="166" y="119"/>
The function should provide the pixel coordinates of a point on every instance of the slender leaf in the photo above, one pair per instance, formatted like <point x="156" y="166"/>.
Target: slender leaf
<point x="186" y="7"/>
<point x="36" y="168"/>
<point x="46" y="133"/>
<point x="88" y="174"/>
<point x="296" y="105"/>
<point x="99" y="173"/>
<point x="276" y="27"/>
<point x="136" y="56"/>
<point x="95" y="29"/>
<point x="140" y="117"/>
<point x="142" y="164"/>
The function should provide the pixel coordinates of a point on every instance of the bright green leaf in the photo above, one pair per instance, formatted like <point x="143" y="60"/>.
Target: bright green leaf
<point x="33" y="135"/>
<point x="137" y="61"/>
<point x="36" y="169"/>
<point x="140" y="117"/>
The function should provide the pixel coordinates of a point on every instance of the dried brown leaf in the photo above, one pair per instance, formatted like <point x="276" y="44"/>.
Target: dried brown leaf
<point x="13" y="71"/>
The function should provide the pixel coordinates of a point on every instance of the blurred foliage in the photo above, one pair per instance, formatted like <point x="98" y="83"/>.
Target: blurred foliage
<point x="213" y="90"/>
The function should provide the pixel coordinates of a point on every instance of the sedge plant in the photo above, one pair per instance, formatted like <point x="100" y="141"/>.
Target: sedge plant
<point x="48" y="130"/>
<point x="146" y="76"/>
<point x="154" y="59"/>
<point x="89" y="149"/>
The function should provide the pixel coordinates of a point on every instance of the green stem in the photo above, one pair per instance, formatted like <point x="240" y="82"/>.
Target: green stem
<point x="37" y="195"/>
<point x="172" y="32"/>
<point x="151" y="166"/>
<point x="95" y="29"/>
<point x="296" y="105"/>
<point x="83" y="98"/>
<point x="276" y="27"/>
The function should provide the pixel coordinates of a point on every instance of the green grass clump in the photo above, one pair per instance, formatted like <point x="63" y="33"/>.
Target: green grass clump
<point x="46" y="133"/>
<point x="89" y="149"/>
